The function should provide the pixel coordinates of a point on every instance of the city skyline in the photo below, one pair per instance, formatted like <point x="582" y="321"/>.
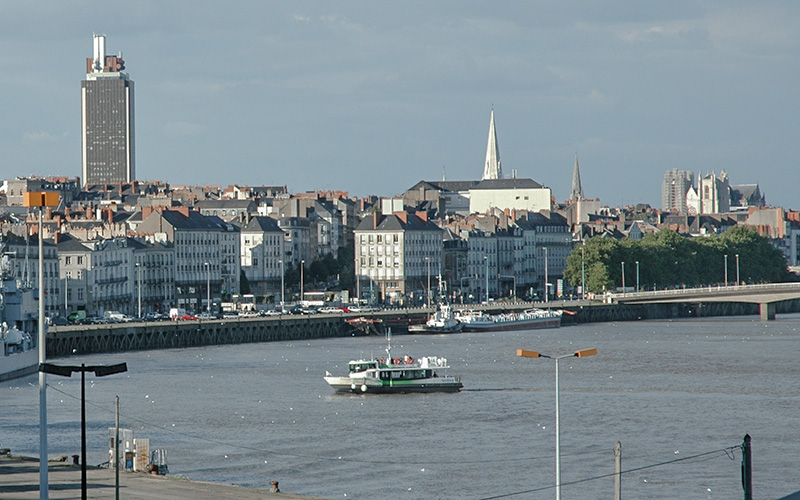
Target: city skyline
<point x="373" y="98"/>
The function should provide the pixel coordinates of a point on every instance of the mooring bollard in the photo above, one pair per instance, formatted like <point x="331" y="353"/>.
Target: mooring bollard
<point x="274" y="487"/>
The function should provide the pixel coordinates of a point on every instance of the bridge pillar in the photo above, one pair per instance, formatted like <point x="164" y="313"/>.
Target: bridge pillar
<point x="767" y="311"/>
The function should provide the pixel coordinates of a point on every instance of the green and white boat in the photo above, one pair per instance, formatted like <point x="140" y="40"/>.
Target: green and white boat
<point x="395" y="375"/>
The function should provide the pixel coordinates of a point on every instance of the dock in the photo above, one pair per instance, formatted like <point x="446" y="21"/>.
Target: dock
<point x="19" y="480"/>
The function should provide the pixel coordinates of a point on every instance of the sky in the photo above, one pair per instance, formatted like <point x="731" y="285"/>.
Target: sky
<point x="371" y="97"/>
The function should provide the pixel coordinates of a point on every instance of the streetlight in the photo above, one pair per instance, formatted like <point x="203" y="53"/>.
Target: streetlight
<point x="281" y="261"/>
<point x="637" y="276"/>
<point x="208" y="287"/>
<point x="302" y="265"/>
<point x="428" y="292"/>
<point x="139" y="279"/>
<point x="546" y="281"/>
<point x="737" y="270"/>
<point x="623" y="278"/>
<point x="41" y="199"/>
<point x="726" y="269"/>
<point x="67" y="371"/>
<point x="66" y="295"/>
<point x="486" y="261"/>
<point x="577" y="354"/>
<point x="583" y="271"/>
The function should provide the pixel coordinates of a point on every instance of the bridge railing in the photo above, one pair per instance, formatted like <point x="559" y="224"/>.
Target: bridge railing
<point x="612" y="296"/>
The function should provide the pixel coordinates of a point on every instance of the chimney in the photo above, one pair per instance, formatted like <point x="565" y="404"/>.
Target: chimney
<point x="48" y="214"/>
<point x="374" y="220"/>
<point x="403" y="216"/>
<point x="184" y="210"/>
<point x="422" y="215"/>
<point x="56" y="237"/>
<point x="146" y="211"/>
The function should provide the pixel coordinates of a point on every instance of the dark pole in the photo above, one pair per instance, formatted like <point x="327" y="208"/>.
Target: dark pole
<point x="747" y="469"/>
<point x="83" y="431"/>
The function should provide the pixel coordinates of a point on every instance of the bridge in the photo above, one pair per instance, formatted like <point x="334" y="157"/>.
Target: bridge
<point x="765" y="295"/>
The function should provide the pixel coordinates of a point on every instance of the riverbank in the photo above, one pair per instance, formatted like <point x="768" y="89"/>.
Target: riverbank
<point x="19" y="480"/>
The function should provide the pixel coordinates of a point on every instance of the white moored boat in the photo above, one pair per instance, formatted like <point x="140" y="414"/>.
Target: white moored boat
<point x="395" y="375"/>
<point x="474" y="321"/>
<point x="441" y="321"/>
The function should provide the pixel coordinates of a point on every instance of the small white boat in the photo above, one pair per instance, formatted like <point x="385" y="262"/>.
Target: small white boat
<point x="395" y="375"/>
<point x="475" y="321"/>
<point x="441" y="321"/>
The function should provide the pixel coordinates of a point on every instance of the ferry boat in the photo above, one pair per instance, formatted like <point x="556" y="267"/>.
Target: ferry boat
<point x="441" y="321"/>
<point x="19" y="353"/>
<point x="395" y="375"/>
<point x="476" y="321"/>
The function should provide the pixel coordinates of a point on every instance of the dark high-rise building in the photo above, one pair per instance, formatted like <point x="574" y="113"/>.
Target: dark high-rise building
<point x="107" y="119"/>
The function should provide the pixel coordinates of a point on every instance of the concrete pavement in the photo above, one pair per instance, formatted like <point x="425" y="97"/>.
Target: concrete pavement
<point x="19" y="480"/>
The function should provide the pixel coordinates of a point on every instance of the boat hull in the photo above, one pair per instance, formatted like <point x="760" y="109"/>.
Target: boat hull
<point x="19" y="364"/>
<point x="500" y="326"/>
<point x="367" y="386"/>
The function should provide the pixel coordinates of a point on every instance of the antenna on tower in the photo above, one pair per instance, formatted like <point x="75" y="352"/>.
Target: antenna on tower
<point x="444" y="173"/>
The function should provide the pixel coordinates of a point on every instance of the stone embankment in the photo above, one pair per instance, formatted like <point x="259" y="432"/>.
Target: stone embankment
<point x="91" y="339"/>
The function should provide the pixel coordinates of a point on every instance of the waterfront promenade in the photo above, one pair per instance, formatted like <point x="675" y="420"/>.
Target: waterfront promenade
<point x="19" y="480"/>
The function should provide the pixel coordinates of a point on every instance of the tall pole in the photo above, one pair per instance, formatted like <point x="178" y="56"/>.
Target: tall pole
<point x="637" y="276"/>
<point x="83" y="431"/>
<point x="302" y="265"/>
<point x="486" y="261"/>
<point x="428" y="293"/>
<point x="208" y="287"/>
<point x="139" y="279"/>
<point x="747" y="468"/>
<point x="116" y="449"/>
<point x="618" y="471"/>
<point x="737" y="270"/>
<point x="66" y="295"/>
<point x="558" y="441"/>
<point x="546" y="281"/>
<point x="583" y="272"/>
<point x="623" y="278"/>
<point x="281" y="261"/>
<point x="44" y="490"/>
<point x="726" y="269"/>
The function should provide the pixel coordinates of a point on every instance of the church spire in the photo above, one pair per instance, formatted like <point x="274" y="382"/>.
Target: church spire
<point x="492" y="168"/>
<point x="577" y="190"/>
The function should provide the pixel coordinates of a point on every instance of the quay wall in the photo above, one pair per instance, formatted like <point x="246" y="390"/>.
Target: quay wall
<point x="93" y="339"/>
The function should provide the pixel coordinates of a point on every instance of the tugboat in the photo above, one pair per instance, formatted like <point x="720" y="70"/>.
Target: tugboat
<point x="442" y="320"/>
<point x="395" y="375"/>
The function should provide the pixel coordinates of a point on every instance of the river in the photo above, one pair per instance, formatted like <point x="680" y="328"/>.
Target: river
<point x="679" y="396"/>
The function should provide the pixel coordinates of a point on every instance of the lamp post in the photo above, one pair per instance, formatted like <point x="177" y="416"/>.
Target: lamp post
<point x="302" y="265"/>
<point x="208" y="287"/>
<point x="428" y="292"/>
<point x="41" y="199"/>
<point x="577" y="354"/>
<point x="546" y="280"/>
<point x="139" y="280"/>
<point x="637" y="276"/>
<point x="737" y="270"/>
<point x="66" y="296"/>
<point x="726" y="269"/>
<point x="623" y="278"/>
<point x="486" y="261"/>
<point x="99" y="371"/>
<point x="583" y="272"/>
<point x="281" y="261"/>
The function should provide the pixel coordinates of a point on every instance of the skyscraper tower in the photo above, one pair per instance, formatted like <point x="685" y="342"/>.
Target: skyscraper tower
<point x="492" y="168"/>
<point x="576" y="193"/>
<point x="107" y="119"/>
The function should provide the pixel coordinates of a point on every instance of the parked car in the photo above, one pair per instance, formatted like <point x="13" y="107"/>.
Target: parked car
<point x="187" y="317"/>
<point x="330" y="310"/>
<point x="58" y="321"/>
